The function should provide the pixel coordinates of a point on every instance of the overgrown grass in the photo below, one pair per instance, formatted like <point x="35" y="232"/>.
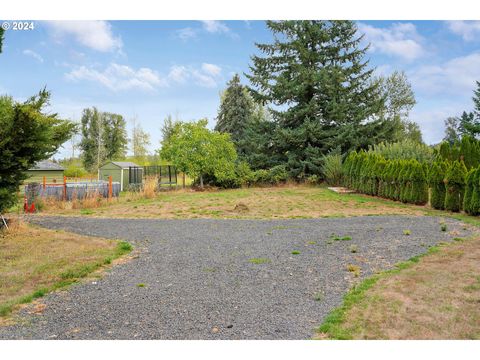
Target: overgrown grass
<point x="36" y="261"/>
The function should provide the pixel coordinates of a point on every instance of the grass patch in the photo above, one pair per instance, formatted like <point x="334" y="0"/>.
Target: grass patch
<point x="406" y="232"/>
<point x="426" y="297"/>
<point x="141" y="285"/>
<point x="259" y="260"/>
<point x="35" y="261"/>
<point x="289" y="201"/>
<point x="334" y="237"/>
<point x="295" y="252"/>
<point x="353" y="249"/>
<point x="443" y="227"/>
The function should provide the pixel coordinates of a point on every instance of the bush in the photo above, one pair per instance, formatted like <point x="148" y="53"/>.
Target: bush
<point x="278" y="174"/>
<point x="313" y="180"/>
<point x="474" y="203"/>
<point x="455" y="186"/>
<point x="435" y="179"/>
<point x="75" y="171"/>
<point x="403" y="150"/>
<point x="332" y="170"/>
<point x="260" y="176"/>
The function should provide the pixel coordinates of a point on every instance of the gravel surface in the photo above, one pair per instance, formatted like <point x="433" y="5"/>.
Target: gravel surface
<point x="200" y="282"/>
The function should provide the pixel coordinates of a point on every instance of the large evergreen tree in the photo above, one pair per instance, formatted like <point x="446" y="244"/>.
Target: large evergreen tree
<point x="236" y="110"/>
<point x="315" y="77"/>
<point x="114" y="136"/>
<point x="27" y="134"/>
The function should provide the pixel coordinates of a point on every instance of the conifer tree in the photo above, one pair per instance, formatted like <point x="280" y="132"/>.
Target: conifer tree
<point x="455" y="186"/>
<point x="419" y="187"/>
<point x="318" y="69"/>
<point x="474" y="202"/>
<point x="436" y="176"/>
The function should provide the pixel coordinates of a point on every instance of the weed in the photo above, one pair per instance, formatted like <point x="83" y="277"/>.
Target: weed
<point x="141" y="285"/>
<point x="259" y="260"/>
<point x="346" y="238"/>
<point x="355" y="269"/>
<point x="443" y="227"/>
<point x="124" y="247"/>
<point x="295" y="252"/>
<point x="340" y="238"/>
<point x="312" y="243"/>
<point x="406" y="232"/>
<point x="353" y="248"/>
<point x="86" y="212"/>
<point x="209" y="269"/>
<point x="459" y="239"/>
<point x="318" y="296"/>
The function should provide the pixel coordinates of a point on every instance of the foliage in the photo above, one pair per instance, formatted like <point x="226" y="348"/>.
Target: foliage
<point x="396" y="179"/>
<point x="74" y="171"/>
<point x="316" y="77"/>
<point x="399" y="99"/>
<point x="405" y="149"/>
<point x="332" y="170"/>
<point x="452" y="131"/>
<point x="236" y="110"/>
<point x="103" y="137"/>
<point x="437" y="185"/>
<point x="198" y="151"/>
<point x="140" y="141"/>
<point x="455" y="186"/>
<point x="27" y="135"/>
<point x="467" y="149"/>
<point x="2" y="38"/>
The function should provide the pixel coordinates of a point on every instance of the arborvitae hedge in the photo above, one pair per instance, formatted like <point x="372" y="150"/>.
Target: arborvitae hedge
<point x="455" y="186"/>
<point x="474" y="202"/>
<point x="468" y="191"/>
<point x="419" y="186"/>
<point x="437" y="194"/>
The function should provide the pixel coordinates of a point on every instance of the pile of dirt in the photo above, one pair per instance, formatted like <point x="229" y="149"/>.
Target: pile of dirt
<point x="241" y="207"/>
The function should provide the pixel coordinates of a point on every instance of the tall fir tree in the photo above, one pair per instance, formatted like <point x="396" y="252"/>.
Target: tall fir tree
<point x="315" y="76"/>
<point x="236" y="110"/>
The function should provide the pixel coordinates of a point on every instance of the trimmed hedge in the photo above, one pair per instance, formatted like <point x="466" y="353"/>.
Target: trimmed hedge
<point x="455" y="186"/>
<point x="371" y="174"/>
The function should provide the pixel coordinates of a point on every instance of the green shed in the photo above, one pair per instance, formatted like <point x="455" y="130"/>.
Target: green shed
<point x="124" y="172"/>
<point x="52" y="172"/>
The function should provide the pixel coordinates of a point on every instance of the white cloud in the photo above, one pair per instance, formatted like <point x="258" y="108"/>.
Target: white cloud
<point x="400" y="39"/>
<point x="96" y="35"/>
<point x="455" y="76"/>
<point x="186" y="33"/>
<point x="469" y="30"/>
<point x="33" y="54"/>
<point x="119" y="77"/>
<point x="211" y="69"/>
<point x="213" y="26"/>
<point x="208" y="75"/>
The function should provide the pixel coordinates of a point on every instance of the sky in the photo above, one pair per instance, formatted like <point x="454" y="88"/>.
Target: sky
<point x="150" y="69"/>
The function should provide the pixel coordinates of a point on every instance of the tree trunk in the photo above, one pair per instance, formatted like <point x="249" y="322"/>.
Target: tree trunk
<point x="201" y="181"/>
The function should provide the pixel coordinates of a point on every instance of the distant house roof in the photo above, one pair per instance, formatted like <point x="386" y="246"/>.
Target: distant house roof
<point x="46" y="165"/>
<point x="124" y="164"/>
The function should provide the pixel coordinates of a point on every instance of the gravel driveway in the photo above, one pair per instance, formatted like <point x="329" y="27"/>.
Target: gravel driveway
<point x="200" y="281"/>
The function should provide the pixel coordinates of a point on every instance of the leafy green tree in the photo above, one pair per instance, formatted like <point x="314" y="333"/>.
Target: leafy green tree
<point x="114" y="136"/>
<point x="452" y="130"/>
<point x="104" y="137"/>
<point x="319" y="87"/>
<point x="140" y="141"/>
<point x="199" y="152"/>
<point x="455" y="186"/>
<point x="399" y="100"/>
<point x="27" y="135"/>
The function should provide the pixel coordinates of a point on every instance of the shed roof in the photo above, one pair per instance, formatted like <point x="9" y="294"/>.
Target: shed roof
<point x="46" y="165"/>
<point x="124" y="164"/>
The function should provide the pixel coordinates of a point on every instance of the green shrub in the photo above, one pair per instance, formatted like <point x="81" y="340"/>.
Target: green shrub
<point x="260" y="176"/>
<point x="437" y="185"/>
<point x="313" y="180"/>
<point x="467" y="198"/>
<point x="403" y="150"/>
<point x="74" y="171"/>
<point x="473" y="207"/>
<point x="278" y="174"/>
<point x="332" y="169"/>
<point x="419" y="187"/>
<point x="455" y="185"/>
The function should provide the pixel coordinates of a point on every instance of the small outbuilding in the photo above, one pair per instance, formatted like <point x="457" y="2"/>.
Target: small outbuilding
<point x="52" y="172"/>
<point x="125" y="172"/>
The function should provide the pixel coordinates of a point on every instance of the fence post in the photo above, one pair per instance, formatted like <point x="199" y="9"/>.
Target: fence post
<point x="64" y="188"/>
<point x="110" y="190"/>
<point x="44" y="183"/>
